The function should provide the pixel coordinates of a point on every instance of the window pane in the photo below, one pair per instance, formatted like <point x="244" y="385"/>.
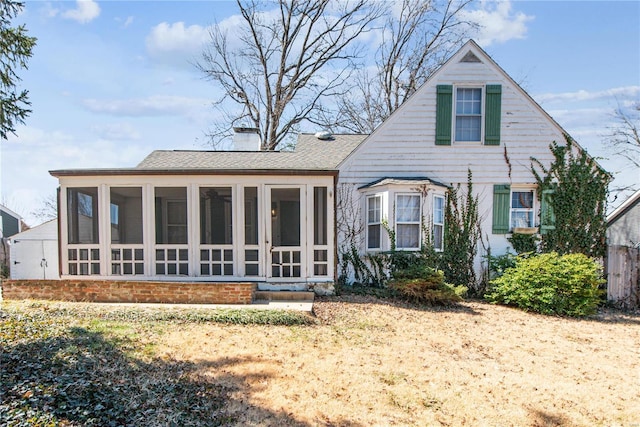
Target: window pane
<point x="468" y="128"/>
<point x="437" y="237"/>
<point x="408" y="208"/>
<point x="216" y="216"/>
<point x="521" y="218"/>
<point x="126" y="215"/>
<point x="373" y="209"/>
<point x="522" y="199"/>
<point x="373" y="236"/>
<point x="438" y="210"/>
<point x="408" y="236"/>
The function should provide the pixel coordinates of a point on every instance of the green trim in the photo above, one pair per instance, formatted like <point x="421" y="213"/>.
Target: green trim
<point x="493" y="111"/>
<point x="501" y="207"/>
<point x="444" y="110"/>
<point x="547" y="214"/>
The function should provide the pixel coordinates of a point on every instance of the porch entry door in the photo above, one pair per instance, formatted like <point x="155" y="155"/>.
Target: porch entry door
<point x="285" y="233"/>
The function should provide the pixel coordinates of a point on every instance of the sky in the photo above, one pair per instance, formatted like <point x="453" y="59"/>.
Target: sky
<point x="110" y="81"/>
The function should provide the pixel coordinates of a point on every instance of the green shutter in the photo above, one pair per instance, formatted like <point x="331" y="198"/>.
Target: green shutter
<point x="547" y="214"/>
<point x="501" y="206"/>
<point x="492" y="114"/>
<point x="444" y="105"/>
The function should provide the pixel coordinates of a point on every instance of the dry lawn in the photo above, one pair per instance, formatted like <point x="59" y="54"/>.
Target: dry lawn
<point x="373" y="362"/>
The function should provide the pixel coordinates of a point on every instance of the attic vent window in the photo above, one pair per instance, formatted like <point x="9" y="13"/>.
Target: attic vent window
<point x="470" y="57"/>
<point x="324" y="135"/>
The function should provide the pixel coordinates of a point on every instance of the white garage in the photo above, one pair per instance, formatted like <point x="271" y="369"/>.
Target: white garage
<point x="34" y="253"/>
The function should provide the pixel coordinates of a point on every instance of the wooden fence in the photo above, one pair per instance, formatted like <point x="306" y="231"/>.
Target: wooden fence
<point x="623" y="276"/>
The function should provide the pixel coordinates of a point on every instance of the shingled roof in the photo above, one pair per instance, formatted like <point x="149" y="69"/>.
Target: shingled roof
<point x="310" y="154"/>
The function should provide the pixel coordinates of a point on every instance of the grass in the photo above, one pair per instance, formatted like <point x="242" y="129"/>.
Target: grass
<point x="361" y="361"/>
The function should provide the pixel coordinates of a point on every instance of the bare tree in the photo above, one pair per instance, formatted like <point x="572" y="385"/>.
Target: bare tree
<point x="48" y="209"/>
<point x="418" y="36"/>
<point x="281" y="64"/>
<point x="625" y="134"/>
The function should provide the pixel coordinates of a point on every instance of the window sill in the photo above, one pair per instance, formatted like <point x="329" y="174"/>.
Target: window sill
<point x="524" y="230"/>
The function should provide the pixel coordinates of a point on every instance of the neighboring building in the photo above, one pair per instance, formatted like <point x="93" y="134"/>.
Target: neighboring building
<point x="282" y="218"/>
<point x="623" y="254"/>
<point x="623" y="224"/>
<point x="34" y="253"/>
<point x="10" y="222"/>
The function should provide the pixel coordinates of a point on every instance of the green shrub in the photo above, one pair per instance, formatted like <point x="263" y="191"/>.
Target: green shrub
<point x="524" y="243"/>
<point x="550" y="284"/>
<point x="423" y="284"/>
<point x="500" y="263"/>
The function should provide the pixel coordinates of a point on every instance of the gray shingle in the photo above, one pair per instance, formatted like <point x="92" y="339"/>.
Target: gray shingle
<point x="310" y="154"/>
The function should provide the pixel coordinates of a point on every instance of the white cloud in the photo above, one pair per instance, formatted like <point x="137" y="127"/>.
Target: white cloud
<point x="158" y="105"/>
<point x="583" y="95"/>
<point x="497" y="23"/>
<point x="117" y="132"/>
<point x="176" y="43"/>
<point x="26" y="160"/>
<point x="85" y="11"/>
<point x="125" y="21"/>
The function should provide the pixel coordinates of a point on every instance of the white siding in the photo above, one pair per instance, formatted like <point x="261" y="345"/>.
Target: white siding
<point x="404" y="146"/>
<point x="34" y="253"/>
<point x="625" y="230"/>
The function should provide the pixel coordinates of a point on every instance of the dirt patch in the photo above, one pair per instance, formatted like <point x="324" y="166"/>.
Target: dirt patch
<point x="374" y="362"/>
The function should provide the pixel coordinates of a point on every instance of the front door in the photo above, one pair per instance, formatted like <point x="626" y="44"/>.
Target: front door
<point x="285" y="233"/>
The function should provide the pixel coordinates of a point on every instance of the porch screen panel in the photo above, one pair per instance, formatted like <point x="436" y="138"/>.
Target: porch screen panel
<point x="320" y="250"/>
<point x="127" y="250"/>
<point x="83" y="253"/>
<point x="285" y="216"/>
<point x="251" y="249"/>
<point x="286" y="259"/>
<point x="171" y="250"/>
<point x="126" y="215"/>
<point x="216" y="227"/>
<point x="216" y="231"/>
<point x="171" y="215"/>
<point x="82" y="215"/>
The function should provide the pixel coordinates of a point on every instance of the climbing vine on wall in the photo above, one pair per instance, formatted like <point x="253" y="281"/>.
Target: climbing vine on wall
<point x="577" y="189"/>
<point x="461" y="235"/>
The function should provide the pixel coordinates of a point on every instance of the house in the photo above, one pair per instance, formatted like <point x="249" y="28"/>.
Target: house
<point x="34" y="253"/>
<point x="623" y="224"/>
<point x="623" y="253"/>
<point x="10" y="223"/>
<point x="281" y="219"/>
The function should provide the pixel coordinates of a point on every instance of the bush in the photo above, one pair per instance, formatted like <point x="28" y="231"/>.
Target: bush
<point x="425" y="285"/>
<point x="498" y="264"/>
<point x="551" y="284"/>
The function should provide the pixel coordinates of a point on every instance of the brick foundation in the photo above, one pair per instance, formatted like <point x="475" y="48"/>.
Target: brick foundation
<point x="129" y="291"/>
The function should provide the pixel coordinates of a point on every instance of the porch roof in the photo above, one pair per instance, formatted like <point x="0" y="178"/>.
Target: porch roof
<point x="389" y="180"/>
<point x="310" y="155"/>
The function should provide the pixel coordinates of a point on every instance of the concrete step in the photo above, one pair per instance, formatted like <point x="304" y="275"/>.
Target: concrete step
<point x="283" y="296"/>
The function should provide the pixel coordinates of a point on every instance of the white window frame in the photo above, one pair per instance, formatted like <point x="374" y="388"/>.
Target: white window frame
<point x="376" y="222"/>
<point x="455" y="114"/>
<point x="438" y="247"/>
<point x="418" y="222"/>
<point x="513" y="210"/>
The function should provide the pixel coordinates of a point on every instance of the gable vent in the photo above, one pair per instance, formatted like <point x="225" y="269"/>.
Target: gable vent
<point x="470" y="57"/>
